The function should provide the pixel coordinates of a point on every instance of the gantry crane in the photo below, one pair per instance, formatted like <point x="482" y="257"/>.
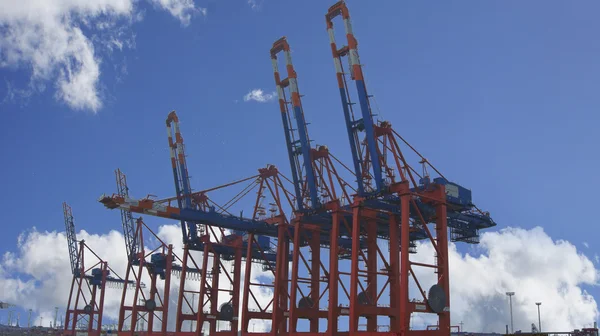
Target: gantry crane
<point x="86" y="298"/>
<point x="392" y="201"/>
<point x="388" y="189"/>
<point x="197" y="233"/>
<point x="148" y="304"/>
<point x="320" y="196"/>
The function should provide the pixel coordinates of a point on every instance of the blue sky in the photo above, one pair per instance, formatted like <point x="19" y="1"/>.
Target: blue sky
<point x="500" y="96"/>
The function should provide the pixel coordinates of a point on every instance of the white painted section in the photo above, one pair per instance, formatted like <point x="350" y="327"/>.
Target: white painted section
<point x="159" y="207"/>
<point x="293" y="85"/>
<point x="275" y="66"/>
<point x="331" y="35"/>
<point x="452" y="190"/>
<point x="279" y="92"/>
<point x="348" y="26"/>
<point x="420" y="307"/>
<point x="338" y="65"/>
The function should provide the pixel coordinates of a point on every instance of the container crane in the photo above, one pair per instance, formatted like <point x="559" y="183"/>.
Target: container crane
<point x="388" y="188"/>
<point x="86" y="298"/>
<point x="157" y="264"/>
<point x="320" y="194"/>
<point x="195" y="236"/>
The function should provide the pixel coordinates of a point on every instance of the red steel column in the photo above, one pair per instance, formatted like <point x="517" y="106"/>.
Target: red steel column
<point x="214" y="297"/>
<point x="181" y="296"/>
<point x="247" y="279"/>
<point x="294" y="285"/>
<point x="354" y="276"/>
<point x="404" y="318"/>
<point x="441" y="227"/>
<point x="167" y="290"/>
<point x="333" y="314"/>
<point x="394" y="275"/>
<point x="371" y="289"/>
<point x="280" y="299"/>
<point x="104" y="267"/>
<point x="202" y="294"/>
<point x="315" y="285"/>
<point x="235" y="300"/>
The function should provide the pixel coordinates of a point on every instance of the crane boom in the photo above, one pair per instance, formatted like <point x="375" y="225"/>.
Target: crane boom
<point x="127" y="219"/>
<point x="71" y="238"/>
<point x="180" y="174"/>
<point x="355" y="126"/>
<point x="299" y="157"/>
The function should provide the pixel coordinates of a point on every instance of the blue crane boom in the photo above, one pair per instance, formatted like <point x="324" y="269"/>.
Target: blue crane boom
<point x="71" y="239"/>
<point x="183" y="187"/>
<point x="76" y="254"/>
<point x="366" y="123"/>
<point x="127" y="219"/>
<point x="299" y="151"/>
<point x="210" y="217"/>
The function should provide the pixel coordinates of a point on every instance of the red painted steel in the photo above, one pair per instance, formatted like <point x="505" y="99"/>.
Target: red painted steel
<point x="86" y="301"/>
<point x="141" y="309"/>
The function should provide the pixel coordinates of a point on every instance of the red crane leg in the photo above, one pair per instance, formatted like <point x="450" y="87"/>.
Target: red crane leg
<point x="122" y="309"/>
<point x="372" y="273"/>
<point x="334" y="310"/>
<point x="443" y="271"/>
<point x="280" y="295"/>
<point x="202" y="295"/>
<point x="181" y="297"/>
<point x="315" y="285"/>
<point x="354" y="278"/>
<point x="167" y="290"/>
<point x="404" y="318"/>
<point x="394" y="275"/>
<point x="237" y="270"/>
<point x="214" y="296"/>
<point x="68" y="313"/>
<point x="152" y="296"/>
<point x="104" y="268"/>
<point x="247" y="280"/>
<point x="91" y="314"/>
<point x="294" y="283"/>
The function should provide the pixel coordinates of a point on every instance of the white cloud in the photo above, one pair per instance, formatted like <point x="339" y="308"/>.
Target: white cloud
<point x="529" y="263"/>
<point x="586" y="245"/>
<point x="254" y="4"/>
<point x="38" y="276"/>
<point x="259" y="95"/>
<point x="181" y="9"/>
<point x="47" y="37"/>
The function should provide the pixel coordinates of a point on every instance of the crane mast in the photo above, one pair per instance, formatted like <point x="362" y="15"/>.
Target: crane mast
<point x="299" y="151"/>
<point x="365" y="167"/>
<point x="71" y="239"/>
<point x="180" y="175"/>
<point x="127" y="219"/>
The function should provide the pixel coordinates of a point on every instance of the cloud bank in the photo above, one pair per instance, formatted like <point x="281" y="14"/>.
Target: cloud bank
<point x="37" y="276"/>
<point x="535" y="267"/>
<point x="59" y="41"/>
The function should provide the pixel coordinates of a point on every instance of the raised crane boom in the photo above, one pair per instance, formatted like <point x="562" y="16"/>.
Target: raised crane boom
<point x="363" y="170"/>
<point x="316" y="181"/>
<point x="71" y="239"/>
<point x="126" y="217"/>
<point x="180" y="175"/>
<point x="299" y="151"/>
